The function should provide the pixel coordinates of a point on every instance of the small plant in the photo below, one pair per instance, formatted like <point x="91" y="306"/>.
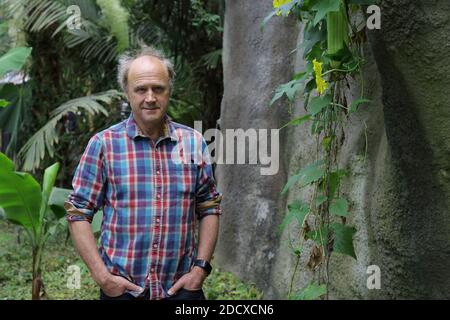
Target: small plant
<point x="24" y="203"/>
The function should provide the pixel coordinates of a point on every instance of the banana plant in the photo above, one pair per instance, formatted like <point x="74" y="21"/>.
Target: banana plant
<point x="26" y="204"/>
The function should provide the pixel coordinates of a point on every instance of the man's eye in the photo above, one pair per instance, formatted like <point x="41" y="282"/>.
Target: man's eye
<point x="140" y="90"/>
<point x="158" y="89"/>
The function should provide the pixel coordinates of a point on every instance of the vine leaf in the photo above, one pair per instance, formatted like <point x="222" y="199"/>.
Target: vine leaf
<point x="307" y="175"/>
<point x="335" y="178"/>
<point x="297" y="121"/>
<point x="320" y="199"/>
<point x="298" y="210"/>
<point x="356" y="103"/>
<point x="323" y="7"/>
<point x="318" y="103"/>
<point x="339" y="207"/>
<point x="320" y="238"/>
<point x="312" y="36"/>
<point x="343" y="239"/>
<point x="311" y="292"/>
<point x="289" y="88"/>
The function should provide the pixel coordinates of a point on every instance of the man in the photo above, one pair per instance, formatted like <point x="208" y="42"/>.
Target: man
<point x="150" y="199"/>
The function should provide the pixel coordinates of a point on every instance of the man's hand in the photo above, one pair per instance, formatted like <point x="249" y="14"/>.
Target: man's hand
<point x="192" y="280"/>
<point x="114" y="286"/>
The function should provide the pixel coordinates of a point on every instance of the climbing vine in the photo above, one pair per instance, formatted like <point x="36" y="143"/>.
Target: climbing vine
<point x="332" y="50"/>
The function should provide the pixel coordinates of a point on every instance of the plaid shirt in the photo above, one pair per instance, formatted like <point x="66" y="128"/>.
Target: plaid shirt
<point x="150" y="193"/>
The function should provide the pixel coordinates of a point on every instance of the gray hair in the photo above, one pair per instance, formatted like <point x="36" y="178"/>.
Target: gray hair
<point x="127" y="58"/>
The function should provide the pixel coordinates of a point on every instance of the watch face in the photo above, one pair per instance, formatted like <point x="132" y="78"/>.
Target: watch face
<point x="204" y="265"/>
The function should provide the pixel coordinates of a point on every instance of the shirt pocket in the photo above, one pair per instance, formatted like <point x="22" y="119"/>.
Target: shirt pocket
<point x="184" y="178"/>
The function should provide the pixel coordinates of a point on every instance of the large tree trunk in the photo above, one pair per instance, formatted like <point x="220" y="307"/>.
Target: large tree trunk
<point x="399" y="190"/>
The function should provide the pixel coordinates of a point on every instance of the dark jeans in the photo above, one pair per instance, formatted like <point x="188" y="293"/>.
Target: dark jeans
<point x="182" y="294"/>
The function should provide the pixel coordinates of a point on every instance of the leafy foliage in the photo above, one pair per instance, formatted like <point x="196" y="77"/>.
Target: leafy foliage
<point x="44" y="139"/>
<point x="332" y="53"/>
<point x="14" y="59"/>
<point x="24" y="203"/>
<point x="16" y="275"/>
<point x="311" y="292"/>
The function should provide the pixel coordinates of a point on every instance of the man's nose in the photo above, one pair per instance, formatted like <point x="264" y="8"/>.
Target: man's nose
<point x="150" y="96"/>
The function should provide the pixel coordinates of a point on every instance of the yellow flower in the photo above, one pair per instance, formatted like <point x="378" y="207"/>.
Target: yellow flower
<point x="279" y="3"/>
<point x="321" y="84"/>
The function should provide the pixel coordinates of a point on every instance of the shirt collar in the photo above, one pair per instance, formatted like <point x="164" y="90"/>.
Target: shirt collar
<point x="133" y="130"/>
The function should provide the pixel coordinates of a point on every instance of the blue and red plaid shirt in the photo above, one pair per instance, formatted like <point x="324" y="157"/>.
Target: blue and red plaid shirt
<point x="151" y="194"/>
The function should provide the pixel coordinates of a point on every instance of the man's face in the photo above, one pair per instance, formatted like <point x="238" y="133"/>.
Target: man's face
<point x="148" y="91"/>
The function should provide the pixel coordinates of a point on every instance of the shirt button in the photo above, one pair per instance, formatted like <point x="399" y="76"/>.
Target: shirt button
<point x="157" y="172"/>
<point x="157" y="220"/>
<point x="152" y="270"/>
<point x="155" y="246"/>
<point x="158" y="196"/>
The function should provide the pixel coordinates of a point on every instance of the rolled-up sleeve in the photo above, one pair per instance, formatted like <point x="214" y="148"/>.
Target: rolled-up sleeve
<point x="88" y="184"/>
<point x="207" y="197"/>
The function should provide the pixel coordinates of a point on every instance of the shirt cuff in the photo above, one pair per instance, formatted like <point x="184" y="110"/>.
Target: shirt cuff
<point x="209" y="207"/>
<point x="77" y="214"/>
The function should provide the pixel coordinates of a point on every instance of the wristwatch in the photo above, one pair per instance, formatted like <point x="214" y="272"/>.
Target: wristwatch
<point x="204" y="265"/>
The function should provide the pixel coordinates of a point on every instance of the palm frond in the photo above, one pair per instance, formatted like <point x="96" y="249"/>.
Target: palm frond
<point x="45" y="138"/>
<point x="42" y="14"/>
<point x="115" y="16"/>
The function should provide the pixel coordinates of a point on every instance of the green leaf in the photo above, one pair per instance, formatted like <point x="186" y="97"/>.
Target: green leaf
<point x="311" y="292"/>
<point x="20" y="195"/>
<point x="356" y="103"/>
<point x="319" y="200"/>
<point x="318" y="103"/>
<point x="343" y="239"/>
<point x="339" y="207"/>
<point x="97" y="223"/>
<point x="293" y="179"/>
<point x="3" y="103"/>
<point x="307" y="175"/>
<point x="335" y="179"/>
<point x="323" y="7"/>
<point x="312" y="36"/>
<point x="289" y="89"/>
<point x="57" y="199"/>
<point x="297" y="121"/>
<point x="310" y="85"/>
<point x="298" y="210"/>
<point x="49" y="179"/>
<point x="311" y="173"/>
<point x="14" y="59"/>
<point x="320" y="238"/>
